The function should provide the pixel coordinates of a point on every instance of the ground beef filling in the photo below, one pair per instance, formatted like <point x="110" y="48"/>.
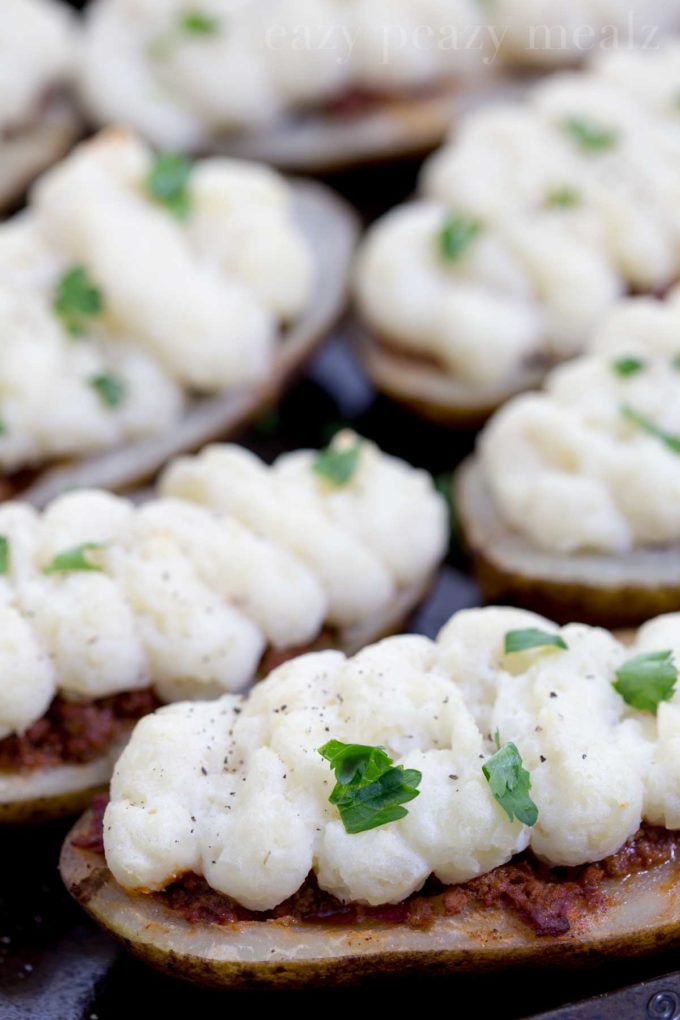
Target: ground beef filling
<point x="549" y="900"/>
<point x="73" y="733"/>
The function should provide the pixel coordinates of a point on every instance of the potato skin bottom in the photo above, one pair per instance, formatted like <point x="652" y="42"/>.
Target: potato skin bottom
<point x="596" y="589"/>
<point x="643" y="916"/>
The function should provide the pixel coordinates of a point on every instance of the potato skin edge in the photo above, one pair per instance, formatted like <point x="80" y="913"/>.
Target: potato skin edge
<point x="600" y="605"/>
<point x="86" y="877"/>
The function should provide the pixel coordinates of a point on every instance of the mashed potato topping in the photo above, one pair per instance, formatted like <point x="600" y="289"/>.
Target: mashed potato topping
<point x="187" y="298"/>
<point x="237" y="791"/>
<point x="593" y="462"/>
<point x="533" y="221"/>
<point x="98" y="596"/>
<point x="37" y="53"/>
<point x="181" y="72"/>
<point x="169" y="66"/>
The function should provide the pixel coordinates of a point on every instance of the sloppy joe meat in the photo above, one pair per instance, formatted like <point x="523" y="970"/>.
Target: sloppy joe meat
<point x="550" y="901"/>
<point x="74" y="733"/>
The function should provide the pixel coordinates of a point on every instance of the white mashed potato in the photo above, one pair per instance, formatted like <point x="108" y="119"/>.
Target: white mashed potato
<point x="147" y="63"/>
<point x="194" y="586"/>
<point x="573" y="199"/>
<point x="555" y="32"/>
<point x="193" y="305"/>
<point x="169" y="66"/>
<point x="37" y="53"/>
<point x="593" y="462"/>
<point x="237" y="791"/>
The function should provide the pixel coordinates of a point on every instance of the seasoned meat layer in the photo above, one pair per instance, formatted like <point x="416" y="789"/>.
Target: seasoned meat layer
<point x="74" y="733"/>
<point x="549" y="900"/>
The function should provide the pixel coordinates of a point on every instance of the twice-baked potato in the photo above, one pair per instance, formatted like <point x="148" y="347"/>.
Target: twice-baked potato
<point x="536" y="218"/>
<point x="149" y="305"/>
<point x="504" y="795"/>
<point x="329" y="84"/>
<point x="110" y="608"/>
<point x="570" y="504"/>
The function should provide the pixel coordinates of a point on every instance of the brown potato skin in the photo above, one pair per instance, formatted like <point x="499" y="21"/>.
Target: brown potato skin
<point x="493" y="940"/>
<point x="398" y="127"/>
<point x="596" y="599"/>
<point x="612" y="608"/>
<point x="43" y="809"/>
<point x="416" y="384"/>
<point x="29" y="153"/>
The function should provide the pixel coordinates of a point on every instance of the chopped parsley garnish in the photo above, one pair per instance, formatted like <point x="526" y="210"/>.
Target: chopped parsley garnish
<point x="510" y="783"/>
<point x="456" y="236"/>
<point x="168" y="183"/>
<point x="338" y="463"/>
<point x="647" y="425"/>
<point x="77" y="301"/>
<point x="675" y="361"/>
<point x="590" y="136"/>
<point x="647" y="680"/>
<point x="370" y="789"/>
<point x="73" y="559"/>
<point x="3" y="428"/>
<point x="197" y="22"/>
<point x="111" y="389"/>
<point x="4" y="554"/>
<point x="532" y="637"/>
<point x="628" y="366"/>
<point x="564" y="198"/>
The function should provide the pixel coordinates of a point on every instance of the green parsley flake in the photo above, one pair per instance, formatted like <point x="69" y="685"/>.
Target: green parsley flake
<point x="199" y="23"/>
<point x="590" y="136"/>
<point x="510" y="783"/>
<point x="4" y="554"/>
<point x="647" y="425"/>
<point x="675" y="361"/>
<point x="338" y="463"/>
<point x="456" y="236"/>
<point x="77" y="301"/>
<point x="564" y="198"/>
<point x="370" y="789"/>
<point x="628" y="366"/>
<point x="168" y="183"/>
<point x="647" y="680"/>
<point x="3" y="428"/>
<point x="522" y="640"/>
<point x="111" y="389"/>
<point x="74" y="559"/>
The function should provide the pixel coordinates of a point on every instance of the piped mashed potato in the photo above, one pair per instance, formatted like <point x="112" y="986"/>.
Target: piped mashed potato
<point x="533" y="221"/>
<point x="593" y="462"/>
<point x="37" y="54"/>
<point x="237" y="791"/>
<point x="170" y="66"/>
<point x="186" y="592"/>
<point x="550" y="33"/>
<point x="188" y="303"/>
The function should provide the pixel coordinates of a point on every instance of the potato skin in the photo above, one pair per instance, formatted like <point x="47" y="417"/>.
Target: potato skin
<point x="30" y="152"/>
<point x="43" y="809"/>
<point x="280" y="955"/>
<point x="331" y="228"/>
<point x="397" y="128"/>
<point x="599" y="589"/>
<point x="428" y="392"/>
